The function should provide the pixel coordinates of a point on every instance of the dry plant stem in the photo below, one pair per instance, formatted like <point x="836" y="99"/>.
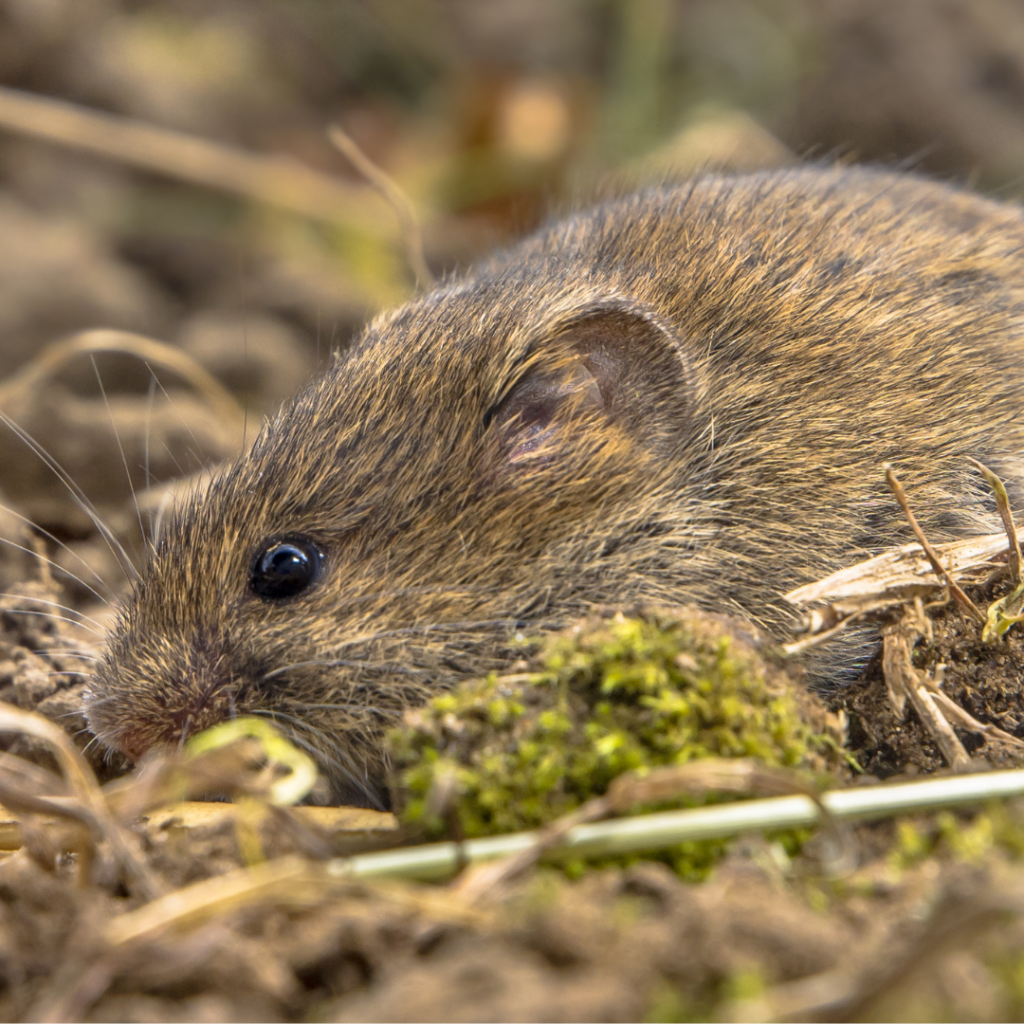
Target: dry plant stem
<point x="274" y="180"/>
<point x="408" y="222"/>
<point x="958" y="595"/>
<point x="83" y="785"/>
<point x="650" y="832"/>
<point x="17" y="800"/>
<point x="740" y="775"/>
<point x="1006" y="514"/>
<point x="892" y="672"/>
<point x="791" y="650"/>
<point x="478" y="882"/>
<point x="33" y="777"/>
<point x="951" y="710"/>
<point x="949" y="743"/>
<point x="898" y="574"/>
<point x="57" y="355"/>
<point x="903" y="680"/>
<point x="211" y="896"/>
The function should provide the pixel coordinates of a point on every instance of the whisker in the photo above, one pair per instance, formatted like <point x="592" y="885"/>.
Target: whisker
<point x="59" y="568"/>
<point x="435" y="627"/>
<point x="184" y="423"/>
<point x="53" y="618"/>
<point x="388" y="667"/>
<point x="67" y="652"/>
<point x="70" y="550"/>
<point x="117" y="549"/>
<point x="55" y="604"/>
<point x="150" y="393"/>
<point x="404" y="591"/>
<point x="120" y="447"/>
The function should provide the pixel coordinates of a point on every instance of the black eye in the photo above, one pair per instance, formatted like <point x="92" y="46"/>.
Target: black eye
<point x="285" y="569"/>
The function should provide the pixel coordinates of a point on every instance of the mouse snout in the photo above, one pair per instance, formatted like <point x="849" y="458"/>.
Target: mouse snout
<point x="148" y="703"/>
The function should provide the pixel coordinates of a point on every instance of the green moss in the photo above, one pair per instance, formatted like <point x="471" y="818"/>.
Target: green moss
<point x="610" y="696"/>
<point x="911" y="845"/>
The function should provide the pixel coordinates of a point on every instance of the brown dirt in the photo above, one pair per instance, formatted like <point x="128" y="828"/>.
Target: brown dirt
<point x="984" y="679"/>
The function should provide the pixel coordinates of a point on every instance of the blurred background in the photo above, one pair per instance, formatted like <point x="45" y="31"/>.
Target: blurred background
<point x="241" y="236"/>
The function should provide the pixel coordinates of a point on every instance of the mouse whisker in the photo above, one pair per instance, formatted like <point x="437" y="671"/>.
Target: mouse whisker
<point x="55" y="618"/>
<point x="198" y="452"/>
<point x="54" y="565"/>
<point x="62" y="607"/>
<point x="70" y="550"/>
<point x="471" y="628"/>
<point x="66" y="652"/>
<point x="117" y="549"/>
<point x="386" y="667"/>
<point x="146" y="472"/>
<point x="120" y="446"/>
<point x="386" y="595"/>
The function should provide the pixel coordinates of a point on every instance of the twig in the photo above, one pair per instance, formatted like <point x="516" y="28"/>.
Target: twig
<point x="275" y="180"/>
<point x="405" y="212"/>
<point x="966" y="720"/>
<point x="1006" y="514"/>
<point x="650" y="832"/>
<point x="958" y="595"/>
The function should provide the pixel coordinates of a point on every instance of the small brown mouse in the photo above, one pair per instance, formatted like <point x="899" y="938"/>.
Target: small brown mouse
<point x="685" y="395"/>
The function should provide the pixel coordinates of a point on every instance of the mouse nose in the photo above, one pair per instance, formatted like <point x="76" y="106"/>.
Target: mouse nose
<point x="170" y="729"/>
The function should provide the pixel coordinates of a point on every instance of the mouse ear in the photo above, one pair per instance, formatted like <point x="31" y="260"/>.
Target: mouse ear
<point x="612" y="362"/>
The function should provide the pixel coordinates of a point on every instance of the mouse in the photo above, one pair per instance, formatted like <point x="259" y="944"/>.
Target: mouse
<point x="684" y="395"/>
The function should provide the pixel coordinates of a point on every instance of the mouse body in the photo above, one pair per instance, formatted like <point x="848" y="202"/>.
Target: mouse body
<point x="685" y="395"/>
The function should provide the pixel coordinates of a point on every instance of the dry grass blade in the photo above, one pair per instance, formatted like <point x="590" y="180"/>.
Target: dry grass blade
<point x="951" y="710"/>
<point x="405" y="212"/>
<point x="899" y="574"/>
<point x="958" y="595"/>
<point x="54" y="357"/>
<point x="274" y="180"/>
<point x="203" y="815"/>
<point x="478" y="882"/>
<point x="84" y="787"/>
<point x="287" y="876"/>
<point x="1006" y="514"/>
<point x="903" y="680"/>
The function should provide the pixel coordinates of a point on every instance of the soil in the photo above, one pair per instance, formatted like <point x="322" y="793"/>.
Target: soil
<point x="983" y="678"/>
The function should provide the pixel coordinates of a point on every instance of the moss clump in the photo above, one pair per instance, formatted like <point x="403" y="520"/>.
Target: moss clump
<point x="609" y="695"/>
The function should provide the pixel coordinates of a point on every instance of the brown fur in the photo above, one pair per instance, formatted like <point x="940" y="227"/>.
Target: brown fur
<point x="686" y="395"/>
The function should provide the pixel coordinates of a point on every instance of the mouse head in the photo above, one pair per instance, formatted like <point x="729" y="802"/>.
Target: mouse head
<point x="482" y="463"/>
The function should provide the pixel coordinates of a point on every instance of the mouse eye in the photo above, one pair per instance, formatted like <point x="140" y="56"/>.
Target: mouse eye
<point x="285" y="569"/>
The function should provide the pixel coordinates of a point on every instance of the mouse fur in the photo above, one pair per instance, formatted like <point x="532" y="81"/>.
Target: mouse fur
<point x="685" y="395"/>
